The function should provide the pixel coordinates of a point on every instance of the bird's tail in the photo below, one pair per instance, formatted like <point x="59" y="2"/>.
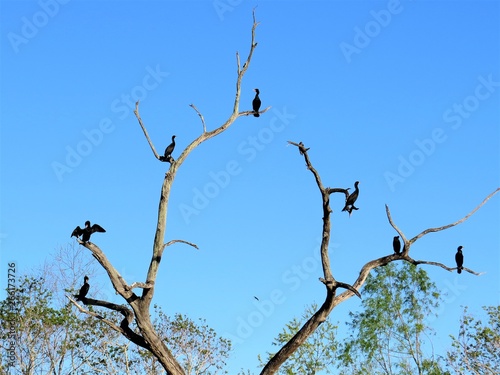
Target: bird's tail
<point x="256" y="114"/>
<point x="459" y="270"/>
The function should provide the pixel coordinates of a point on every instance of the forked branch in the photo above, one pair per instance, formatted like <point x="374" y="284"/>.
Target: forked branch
<point x="331" y="284"/>
<point x="430" y="230"/>
<point x="123" y="328"/>
<point x="136" y="112"/>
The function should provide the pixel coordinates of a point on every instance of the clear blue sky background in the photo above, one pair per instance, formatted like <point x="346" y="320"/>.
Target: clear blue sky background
<point x="405" y="109"/>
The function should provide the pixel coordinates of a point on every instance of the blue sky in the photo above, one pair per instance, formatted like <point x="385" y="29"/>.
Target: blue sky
<point x="402" y="96"/>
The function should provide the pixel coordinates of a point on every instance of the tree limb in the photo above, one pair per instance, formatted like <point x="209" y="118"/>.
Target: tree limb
<point x="136" y="112"/>
<point x="201" y="117"/>
<point x="331" y="284"/>
<point x="138" y="284"/>
<point x="124" y="327"/>
<point x="430" y="230"/>
<point x="171" y="242"/>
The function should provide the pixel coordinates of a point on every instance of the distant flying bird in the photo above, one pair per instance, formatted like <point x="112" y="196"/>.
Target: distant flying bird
<point x="83" y="290"/>
<point x="256" y="298"/>
<point x="168" y="151"/>
<point x="256" y="103"/>
<point x="87" y="231"/>
<point x="396" y="245"/>
<point x="459" y="258"/>
<point x="351" y="199"/>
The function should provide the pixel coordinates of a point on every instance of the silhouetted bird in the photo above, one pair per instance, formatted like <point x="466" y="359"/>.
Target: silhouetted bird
<point x="351" y="199"/>
<point x="168" y="151"/>
<point x="83" y="290"/>
<point x="459" y="258"/>
<point x="396" y="245"/>
<point x="87" y="231"/>
<point x="256" y="298"/>
<point x="256" y="103"/>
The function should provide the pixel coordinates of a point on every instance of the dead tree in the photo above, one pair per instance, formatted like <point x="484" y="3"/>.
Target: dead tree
<point x="137" y="307"/>
<point x="331" y="284"/>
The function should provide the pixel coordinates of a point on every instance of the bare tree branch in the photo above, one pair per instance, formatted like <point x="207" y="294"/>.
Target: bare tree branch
<point x="201" y="117"/>
<point x="171" y="242"/>
<point x="136" y="112"/>
<point x="430" y="230"/>
<point x="437" y="264"/>
<point x="119" y="284"/>
<point x="328" y="280"/>
<point x="406" y="245"/>
<point x="124" y="327"/>
<point x="138" y="284"/>
<point x="141" y="305"/>
<point x="331" y="284"/>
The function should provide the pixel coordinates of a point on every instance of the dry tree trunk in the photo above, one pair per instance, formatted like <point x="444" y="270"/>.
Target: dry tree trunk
<point x="137" y="308"/>
<point x="332" y="299"/>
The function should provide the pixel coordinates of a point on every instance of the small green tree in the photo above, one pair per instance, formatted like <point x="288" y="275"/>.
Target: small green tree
<point x="476" y="350"/>
<point x="390" y="332"/>
<point x="49" y="339"/>
<point x="316" y="354"/>
<point x="195" y="345"/>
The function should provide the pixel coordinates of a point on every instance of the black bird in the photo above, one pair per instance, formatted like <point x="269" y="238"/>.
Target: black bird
<point x="459" y="258"/>
<point x="87" y="231"/>
<point x="256" y="103"/>
<point x="83" y="290"/>
<point x="396" y="245"/>
<point x="351" y="199"/>
<point x="168" y="151"/>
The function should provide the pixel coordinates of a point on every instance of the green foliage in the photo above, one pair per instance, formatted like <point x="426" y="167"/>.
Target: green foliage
<point x="389" y="333"/>
<point x="316" y="354"/>
<point x="48" y="338"/>
<point x="195" y="345"/>
<point x="477" y="348"/>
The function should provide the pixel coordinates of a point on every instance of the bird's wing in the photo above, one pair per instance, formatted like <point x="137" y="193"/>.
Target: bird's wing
<point x="97" y="228"/>
<point x="77" y="232"/>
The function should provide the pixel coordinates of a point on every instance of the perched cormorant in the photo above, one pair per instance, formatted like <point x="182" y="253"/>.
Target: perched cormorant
<point x="87" y="231"/>
<point x="351" y="199"/>
<point x="459" y="258"/>
<point x="256" y="103"/>
<point x="396" y="245"/>
<point x="83" y="290"/>
<point x="168" y="151"/>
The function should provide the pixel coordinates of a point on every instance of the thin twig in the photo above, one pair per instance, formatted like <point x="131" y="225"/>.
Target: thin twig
<point x="201" y="117"/>
<point x="136" y="112"/>
<point x="407" y="245"/>
<point x="171" y="242"/>
<point x="430" y="230"/>
<point x="250" y="113"/>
